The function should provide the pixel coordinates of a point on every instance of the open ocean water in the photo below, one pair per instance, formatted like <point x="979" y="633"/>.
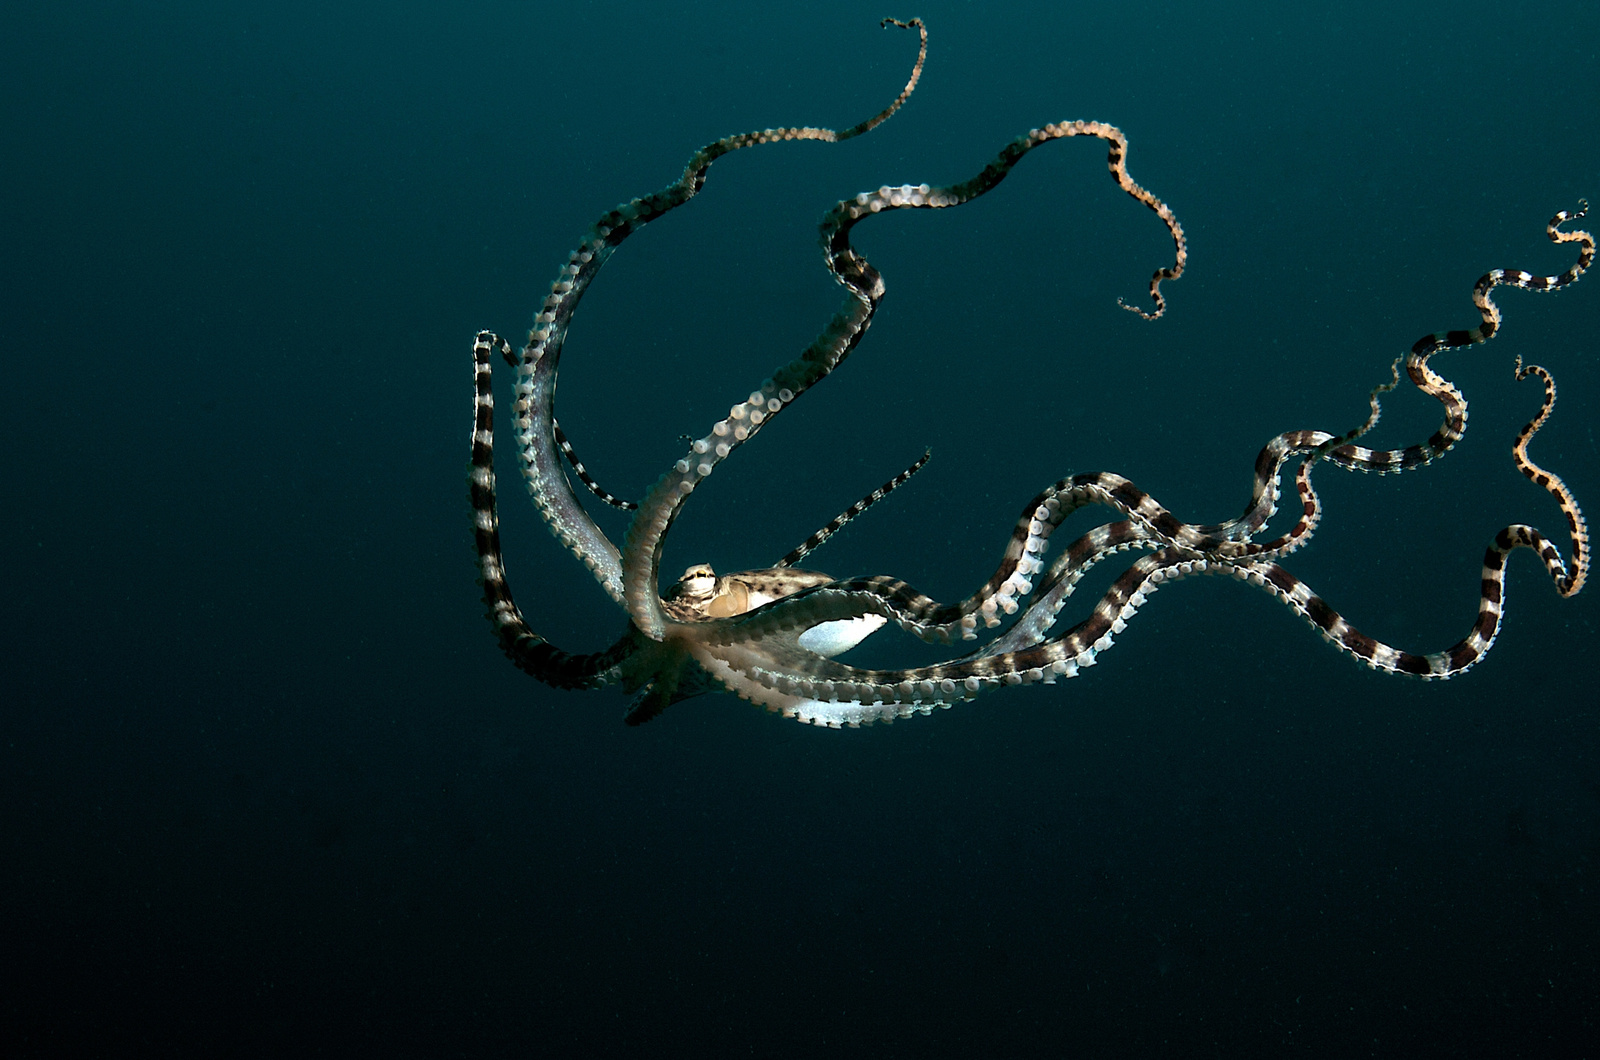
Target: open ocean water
<point x="268" y="788"/>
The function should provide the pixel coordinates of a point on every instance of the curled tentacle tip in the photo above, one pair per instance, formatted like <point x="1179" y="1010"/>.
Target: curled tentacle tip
<point x="1160" y="309"/>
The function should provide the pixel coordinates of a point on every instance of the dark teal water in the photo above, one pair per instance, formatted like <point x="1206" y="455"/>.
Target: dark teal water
<point x="270" y="789"/>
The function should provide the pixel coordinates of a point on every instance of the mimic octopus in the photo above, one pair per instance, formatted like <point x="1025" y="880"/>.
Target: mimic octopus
<point x="771" y="636"/>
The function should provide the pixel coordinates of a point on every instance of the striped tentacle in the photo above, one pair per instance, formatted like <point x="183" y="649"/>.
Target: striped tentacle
<point x="1221" y="542"/>
<point x="1023" y="558"/>
<point x="1150" y="525"/>
<point x="582" y="472"/>
<point x="1146" y="524"/>
<point x="938" y="623"/>
<point x="659" y="508"/>
<point x="697" y="174"/>
<point x="838" y="522"/>
<point x="1147" y="527"/>
<point x="1430" y="382"/>
<point x="1568" y="577"/>
<point x="643" y="544"/>
<point x="1234" y="539"/>
<point x="527" y="649"/>
<point x="801" y="551"/>
<point x="853" y="271"/>
<point x="758" y="656"/>
<point x="539" y="359"/>
<point x="757" y="660"/>
<point x="1218" y="544"/>
<point x="1458" y="658"/>
<point x="1103" y="542"/>
<point x="760" y="661"/>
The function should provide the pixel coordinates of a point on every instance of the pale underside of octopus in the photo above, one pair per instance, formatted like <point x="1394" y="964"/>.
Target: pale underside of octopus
<point x="772" y="635"/>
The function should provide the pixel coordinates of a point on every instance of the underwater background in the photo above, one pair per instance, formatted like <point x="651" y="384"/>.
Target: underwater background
<point x="267" y="786"/>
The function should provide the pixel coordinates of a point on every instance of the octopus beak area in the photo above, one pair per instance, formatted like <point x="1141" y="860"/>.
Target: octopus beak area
<point x="699" y="582"/>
